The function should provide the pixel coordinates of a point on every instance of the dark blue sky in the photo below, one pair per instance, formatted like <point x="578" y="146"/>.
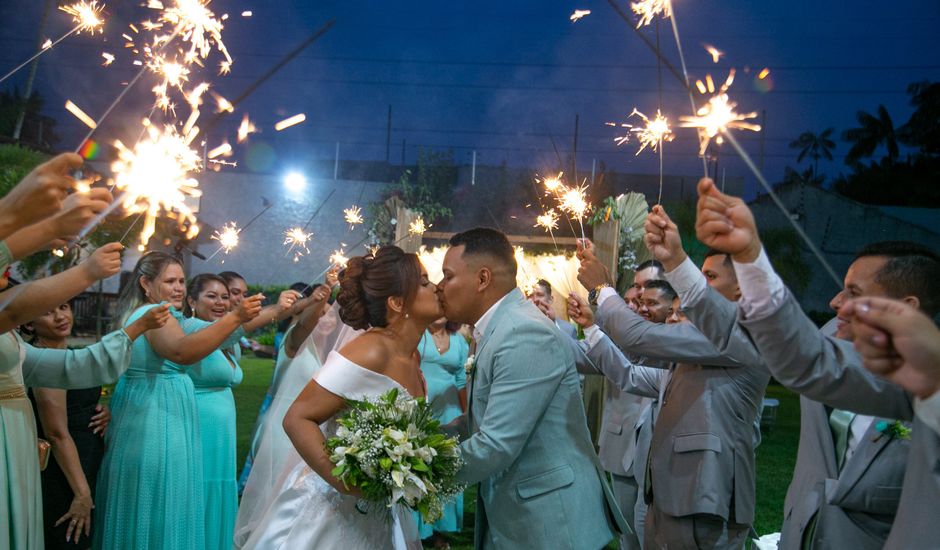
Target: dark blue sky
<point x="502" y="77"/>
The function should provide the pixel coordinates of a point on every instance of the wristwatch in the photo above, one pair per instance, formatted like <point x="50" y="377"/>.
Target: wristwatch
<point x="595" y="293"/>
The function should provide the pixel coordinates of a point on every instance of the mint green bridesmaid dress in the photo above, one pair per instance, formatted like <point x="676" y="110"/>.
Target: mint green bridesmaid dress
<point x="21" y="365"/>
<point x="214" y="377"/>
<point x="150" y="487"/>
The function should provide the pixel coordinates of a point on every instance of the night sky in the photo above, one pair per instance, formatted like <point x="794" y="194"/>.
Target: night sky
<point x="505" y="78"/>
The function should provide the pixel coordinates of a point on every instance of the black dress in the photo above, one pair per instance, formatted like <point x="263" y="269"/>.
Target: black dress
<point x="56" y="492"/>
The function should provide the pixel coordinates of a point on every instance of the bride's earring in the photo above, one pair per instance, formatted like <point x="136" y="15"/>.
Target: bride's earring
<point x="407" y="315"/>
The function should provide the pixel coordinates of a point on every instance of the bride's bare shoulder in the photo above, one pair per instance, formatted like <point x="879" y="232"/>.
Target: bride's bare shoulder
<point x="368" y="350"/>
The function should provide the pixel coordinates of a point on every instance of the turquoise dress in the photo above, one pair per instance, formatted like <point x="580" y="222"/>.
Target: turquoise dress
<point x="21" y="521"/>
<point x="150" y="487"/>
<point x="214" y="377"/>
<point x="446" y="376"/>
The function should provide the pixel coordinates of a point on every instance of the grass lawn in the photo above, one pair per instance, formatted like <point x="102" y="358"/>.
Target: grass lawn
<point x="775" y="455"/>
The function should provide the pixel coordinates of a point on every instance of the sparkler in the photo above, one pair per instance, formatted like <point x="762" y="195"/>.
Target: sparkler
<point x="224" y="149"/>
<point x="297" y="238"/>
<point x="245" y="128"/>
<point x="578" y="14"/>
<point x="718" y="114"/>
<point x="291" y="121"/>
<point x="353" y="216"/>
<point x="652" y="134"/>
<point x="549" y="222"/>
<point x="227" y="237"/>
<point x="338" y="257"/>
<point x="417" y="227"/>
<point x="553" y="183"/>
<point x="714" y="52"/>
<point x="155" y="176"/>
<point x="195" y="23"/>
<point x="647" y="10"/>
<point x="573" y="201"/>
<point x="87" y="17"/>
<point x="80" y="114"/>
<point x="108" y="59"/>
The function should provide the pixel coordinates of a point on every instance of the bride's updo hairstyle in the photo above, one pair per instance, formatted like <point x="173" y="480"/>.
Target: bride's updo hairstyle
<point x="368" y="282"/>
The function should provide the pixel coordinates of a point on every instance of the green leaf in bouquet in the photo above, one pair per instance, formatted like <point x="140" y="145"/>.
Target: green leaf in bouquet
<point x="385" y="463"/>
<point x="419" y="466"/>
<point x="339" y="471"/>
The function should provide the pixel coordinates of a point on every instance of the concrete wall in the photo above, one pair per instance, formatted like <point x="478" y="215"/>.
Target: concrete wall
<point x="261" y="257"/>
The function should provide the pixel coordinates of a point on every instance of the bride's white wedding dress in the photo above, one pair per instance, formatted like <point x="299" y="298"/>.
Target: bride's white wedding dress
<point x="309" y="513"/>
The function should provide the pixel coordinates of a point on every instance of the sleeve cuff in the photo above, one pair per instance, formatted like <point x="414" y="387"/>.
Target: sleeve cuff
<point x="928" y="410"/>
<point x="605" y="293"/>
<point x="688" y="282"/>
<point x="762" y="290"/>
<point x="593" y="335"/>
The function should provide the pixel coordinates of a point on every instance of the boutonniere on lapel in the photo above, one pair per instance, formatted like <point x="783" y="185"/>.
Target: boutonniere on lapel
<point x="892" y="430"/>
<point x="470" y="364"/>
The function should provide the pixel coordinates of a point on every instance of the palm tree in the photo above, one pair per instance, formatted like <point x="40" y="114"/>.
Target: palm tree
<point x="814" y="146"/>
<point x="873" y="131"/>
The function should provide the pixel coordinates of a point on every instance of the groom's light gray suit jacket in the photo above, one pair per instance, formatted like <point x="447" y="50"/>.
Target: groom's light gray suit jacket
<point x="702" y="451"/>
<point x="829" y="370"/>
<point x="856" y="506"/>
<point x="541" y="485"/>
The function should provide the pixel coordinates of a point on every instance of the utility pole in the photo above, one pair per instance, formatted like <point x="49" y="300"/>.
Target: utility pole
<point x="574" y="152"/>
<point x="336" y="163"/>
<point x="388" y="138"/>
<point x="28" y="91"/>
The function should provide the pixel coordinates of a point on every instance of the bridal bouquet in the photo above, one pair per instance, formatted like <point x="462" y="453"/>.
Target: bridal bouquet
<point x="391" y="448"/>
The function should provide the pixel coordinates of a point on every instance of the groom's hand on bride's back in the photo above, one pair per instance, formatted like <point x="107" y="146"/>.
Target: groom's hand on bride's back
<point x="457" y="428"/>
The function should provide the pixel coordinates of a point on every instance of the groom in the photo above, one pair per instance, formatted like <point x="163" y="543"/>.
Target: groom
<point x="540" y="484"/>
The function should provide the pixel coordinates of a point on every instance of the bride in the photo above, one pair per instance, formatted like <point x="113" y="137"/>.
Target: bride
<point x="390" y="295"/>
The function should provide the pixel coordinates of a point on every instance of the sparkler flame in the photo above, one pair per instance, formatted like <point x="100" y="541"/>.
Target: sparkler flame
<point x="46" y="45"/>
<point x="417" y="227"/>
<point x="718" y="114"/>
<point x="338" y="257"/>
<point x="227" y="237"/>
<point x="296" y="239"/>
<point x="290" y="121"/>
<point x="353" y="216"/>
<point x="547" y="221"/>
<point x="553" y="183"/>
<point x="108" y="59"/>
<point x="80" y="114"/>
<point x="653" y="133"/>
<point x="155" y="177"/>
<point x="578" y="14"/>
<point x="647" y="10"/>
<point x="86" y="15"/>
<point x="573" y="200"/>
<point x="195" y="23"/>
<point x="245" y="128"/>
<point x="714" y="52"/>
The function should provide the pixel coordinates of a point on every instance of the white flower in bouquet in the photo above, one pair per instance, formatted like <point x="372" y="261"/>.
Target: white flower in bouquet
<point x="392" y="449"/>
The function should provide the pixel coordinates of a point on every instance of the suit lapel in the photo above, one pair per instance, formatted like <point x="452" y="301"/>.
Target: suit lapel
<point x="867" y="451"/>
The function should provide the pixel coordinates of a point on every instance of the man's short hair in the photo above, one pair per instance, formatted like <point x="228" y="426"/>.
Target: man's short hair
<point x="911" y="270"/>
<point x="664" y="287"/>
<point x="485" y="241"/>
<point x="727" y="261"/>
<point x="655" y="264"/>
<point x="546" y="285"/>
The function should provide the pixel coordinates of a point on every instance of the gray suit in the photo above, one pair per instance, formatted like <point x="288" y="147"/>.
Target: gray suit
<point x="540" y="484"/>
<point x="829" y="370"/>
<point x="705" y="425"/>
<point x="851" y="509"/>
<point x="566" y="328"/>
<point x="642" y="385"/>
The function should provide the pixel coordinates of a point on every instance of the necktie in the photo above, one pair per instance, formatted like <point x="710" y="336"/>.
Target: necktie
<point x="839" y="422"/>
